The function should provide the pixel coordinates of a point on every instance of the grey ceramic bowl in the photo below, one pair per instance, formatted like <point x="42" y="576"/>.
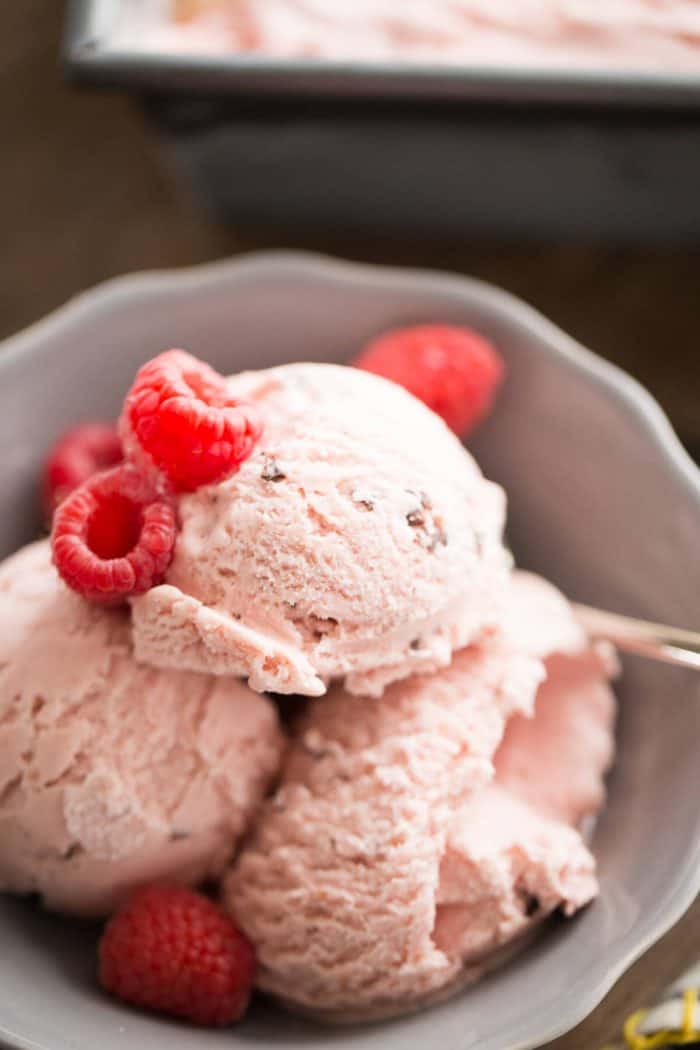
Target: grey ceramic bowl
<point x="602" y="499"/>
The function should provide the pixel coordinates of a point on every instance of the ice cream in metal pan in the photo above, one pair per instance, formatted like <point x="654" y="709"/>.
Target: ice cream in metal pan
<point x="593" y="34"/>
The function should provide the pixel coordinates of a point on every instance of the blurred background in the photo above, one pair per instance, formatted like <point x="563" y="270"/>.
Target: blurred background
<point x="87" y="192"/>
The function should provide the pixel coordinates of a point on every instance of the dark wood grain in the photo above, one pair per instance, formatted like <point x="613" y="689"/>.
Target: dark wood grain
<point x="83" y="197"/>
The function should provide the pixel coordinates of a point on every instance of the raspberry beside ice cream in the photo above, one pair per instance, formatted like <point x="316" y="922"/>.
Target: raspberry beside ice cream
<point x="387" y="869"/>
<point x="360" y="540"/>
<point x="75" y="457"/>
<point x="173" y="950"/>
<point x="454" y="371"/>
<point x="112" y="774"/>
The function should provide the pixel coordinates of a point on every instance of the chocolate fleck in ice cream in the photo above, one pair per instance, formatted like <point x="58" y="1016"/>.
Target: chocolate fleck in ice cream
<point x="113" y="774"/>
<point x="359" y="541"/>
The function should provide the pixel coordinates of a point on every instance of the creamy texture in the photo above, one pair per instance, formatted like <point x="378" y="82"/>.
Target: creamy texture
<point x="575" y="709"/>
<point x="360" y="540"/>
<point x="112" y="774"/>
<point x="390" y="863"/>
<point x="565" y="34"/>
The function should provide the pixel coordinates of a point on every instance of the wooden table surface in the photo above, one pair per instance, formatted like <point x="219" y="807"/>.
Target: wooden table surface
<point x="83" y="197"/>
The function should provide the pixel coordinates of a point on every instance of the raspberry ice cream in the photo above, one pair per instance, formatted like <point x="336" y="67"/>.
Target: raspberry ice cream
<point x="358" y="541"/>
<point x="112" y="774"/>
<point x="571" y="735"/>
<point x="547" y="34"/>
<point x="391" y="866"/>
<point x="316" y="530"/>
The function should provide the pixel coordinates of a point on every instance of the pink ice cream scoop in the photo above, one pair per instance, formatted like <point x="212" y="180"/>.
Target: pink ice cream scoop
<point x="515" y="851"/>
<point x="391" y="866"/>
<point x="359" y="541"/>
<point x="113" y="774"/>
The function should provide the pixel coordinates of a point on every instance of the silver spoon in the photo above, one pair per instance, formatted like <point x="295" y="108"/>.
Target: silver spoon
<point x="671" y="645"/>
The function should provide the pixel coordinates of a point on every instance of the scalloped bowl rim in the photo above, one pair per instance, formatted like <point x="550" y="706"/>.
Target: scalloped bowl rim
<point x="595" y="983"/>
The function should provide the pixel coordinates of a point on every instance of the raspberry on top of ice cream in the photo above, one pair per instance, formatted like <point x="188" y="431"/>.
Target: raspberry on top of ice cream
<point x="181" y="419"/>
<point x="114" y="536"/>
<point x="359" y="540"/>
<point x="181" y="428"/>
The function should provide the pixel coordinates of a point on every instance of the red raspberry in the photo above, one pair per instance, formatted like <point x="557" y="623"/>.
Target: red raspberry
<point x="455" y="371"/>
<point x="113" y="537"/>
<point x="180" y="414"/>
<point x="75" y="457"/>
<point x="173" y="950"/>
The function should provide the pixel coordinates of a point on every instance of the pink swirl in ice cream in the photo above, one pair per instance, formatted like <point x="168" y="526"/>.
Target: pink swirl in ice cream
<point x="391" y="866"/>
<point x="113" y="774"/>
<point x="612" y="34"/>
<point x="360" y="541"/>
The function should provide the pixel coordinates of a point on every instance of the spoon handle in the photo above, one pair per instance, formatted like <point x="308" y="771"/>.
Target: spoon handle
<point x="671" y="645"/>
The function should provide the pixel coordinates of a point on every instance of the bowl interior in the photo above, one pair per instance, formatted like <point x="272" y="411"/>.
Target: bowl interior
<point x="601" y="500"/>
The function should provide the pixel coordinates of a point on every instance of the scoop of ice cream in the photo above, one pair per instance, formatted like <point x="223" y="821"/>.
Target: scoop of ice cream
<point x="388" y="865"/>
<point x="572" y="734"/>
<point x="505" y="865"/>
<point x="113" y="774"/>
<point x="337" y="889"/>
<point x="359" y="541"/>
<point x="514" y="852"/>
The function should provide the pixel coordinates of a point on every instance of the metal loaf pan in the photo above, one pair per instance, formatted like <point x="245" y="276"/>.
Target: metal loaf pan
<point x="448" y="150"/>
